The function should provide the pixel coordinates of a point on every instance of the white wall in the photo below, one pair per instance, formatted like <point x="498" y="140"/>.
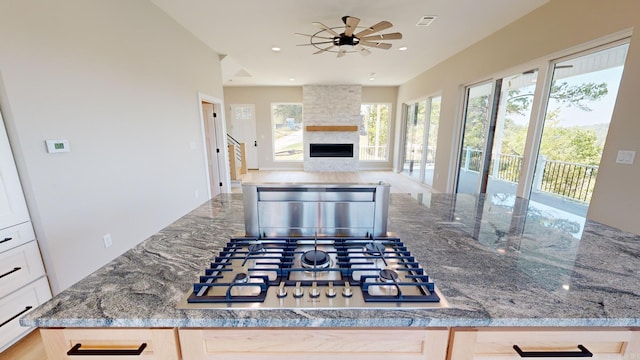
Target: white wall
<point x="552" y="28"/>
<point x="120" y="80"/>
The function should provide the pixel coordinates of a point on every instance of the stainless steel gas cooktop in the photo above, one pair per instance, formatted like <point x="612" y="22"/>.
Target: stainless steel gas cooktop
<point x="314" y="246"/>
<point x="318" y="273"/>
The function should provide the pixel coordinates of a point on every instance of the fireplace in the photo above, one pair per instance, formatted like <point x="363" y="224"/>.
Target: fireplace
<point x="331" y="150"/>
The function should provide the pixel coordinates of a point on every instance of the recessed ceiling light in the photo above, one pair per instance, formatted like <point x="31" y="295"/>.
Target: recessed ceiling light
<point x="371" y="78"/>
<point x="292" y="79"/>
<point x="426" y="20"/>
<point x="275" y="48"/>
<point x="402" y="48"/>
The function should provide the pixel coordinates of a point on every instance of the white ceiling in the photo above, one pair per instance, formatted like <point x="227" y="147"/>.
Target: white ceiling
<point x="246" y="30"/>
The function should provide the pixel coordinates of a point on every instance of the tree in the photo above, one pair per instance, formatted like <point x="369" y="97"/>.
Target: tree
<point x="371" y="126"/>
<point x="517" y="104"/>
<point x="285" y="111"/>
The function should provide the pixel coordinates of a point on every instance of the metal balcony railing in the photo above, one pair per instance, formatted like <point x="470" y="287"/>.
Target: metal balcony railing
<point x="570" y="180"/>
<point x="373" y="152"/>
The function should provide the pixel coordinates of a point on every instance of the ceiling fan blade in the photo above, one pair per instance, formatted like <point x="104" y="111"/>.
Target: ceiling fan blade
<point x="389" y="36"/>
<point x="351" y="23"/>
<point x="342" y="52"/>
<point x="323" y="50"/>
<point x="325" y="28"/>
<point x="314" y="36"/>
<point x="316" y="43"/>
<point x="362" y="50"/>
<point x="378" y="45"/>
<point x="375" y="28"/>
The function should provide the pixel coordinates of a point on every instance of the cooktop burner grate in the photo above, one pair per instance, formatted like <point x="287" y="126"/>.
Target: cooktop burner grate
<point x="314" y="272"/>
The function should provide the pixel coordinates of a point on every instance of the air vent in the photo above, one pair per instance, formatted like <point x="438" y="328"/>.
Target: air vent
<point x="426" y="20"/>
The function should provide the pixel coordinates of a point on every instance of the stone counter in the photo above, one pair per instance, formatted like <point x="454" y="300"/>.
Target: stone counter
<point x="498" y="260"/>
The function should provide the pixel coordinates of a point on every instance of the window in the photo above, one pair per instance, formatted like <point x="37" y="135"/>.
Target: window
<point x="286" y="120"/>
<point x="374" y="134"/>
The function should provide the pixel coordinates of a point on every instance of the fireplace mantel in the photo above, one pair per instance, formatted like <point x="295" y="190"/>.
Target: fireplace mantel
<point x="332" y="128"/>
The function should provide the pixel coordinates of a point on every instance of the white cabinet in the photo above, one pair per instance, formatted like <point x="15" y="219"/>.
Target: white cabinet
<point x="13" y="209"/>
<point x="17" y="304"/>
<point x="23" y="284"/>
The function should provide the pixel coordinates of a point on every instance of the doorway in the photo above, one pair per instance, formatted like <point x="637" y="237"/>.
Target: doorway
<point x="243" y="130"/>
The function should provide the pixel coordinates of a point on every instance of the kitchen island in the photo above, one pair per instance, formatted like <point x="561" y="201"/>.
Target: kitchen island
<point x="499" y="261"/>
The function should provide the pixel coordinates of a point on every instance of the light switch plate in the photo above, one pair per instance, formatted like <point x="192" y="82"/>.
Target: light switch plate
<point x="625" y="157"/>
<point x="56" y="146"/>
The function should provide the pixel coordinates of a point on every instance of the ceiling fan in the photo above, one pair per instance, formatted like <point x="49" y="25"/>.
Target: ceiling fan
<point x="352" y="39"/>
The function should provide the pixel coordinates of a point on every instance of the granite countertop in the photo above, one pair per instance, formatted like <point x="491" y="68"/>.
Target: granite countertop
<point x="498" y="260"/>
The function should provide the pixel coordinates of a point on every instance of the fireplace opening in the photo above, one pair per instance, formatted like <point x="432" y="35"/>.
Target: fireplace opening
<point x="331" y="150"/>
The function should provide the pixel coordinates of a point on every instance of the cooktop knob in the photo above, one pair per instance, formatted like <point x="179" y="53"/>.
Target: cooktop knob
<point x="331" y="292"/>
<point x="314" y="292"/>
<point x="297" y="291"/>
<point x="346" y="291"/>
<point x="282" y="292"/>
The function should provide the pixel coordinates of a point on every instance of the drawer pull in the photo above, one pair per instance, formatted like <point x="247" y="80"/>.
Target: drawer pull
<point x="582" y="353"/>
<point x="5" y="240"/>
<point x="75" y="350"/>
<point x="10" y="272"/>
<point x="27" y="308"/>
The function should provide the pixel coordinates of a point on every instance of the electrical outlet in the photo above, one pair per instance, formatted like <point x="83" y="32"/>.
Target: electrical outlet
<point x="625" y="157"/>
<point x="107" y="240"/>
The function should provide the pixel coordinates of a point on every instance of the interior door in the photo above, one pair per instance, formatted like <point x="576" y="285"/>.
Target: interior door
<point x="243" y="129"/>
<point x="213" y="147"/>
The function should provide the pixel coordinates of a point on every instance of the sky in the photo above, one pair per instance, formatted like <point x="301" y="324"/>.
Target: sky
<point x="602" y="109"/>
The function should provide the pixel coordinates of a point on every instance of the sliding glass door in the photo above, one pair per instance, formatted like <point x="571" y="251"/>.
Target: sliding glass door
<point x="579" y="108"/>
<point x="431" y="139"/>
<point x="476" y="120"/>
<point x="512" y="124"/>
<point x="421" y="136"/>
<point x="554" y="157"/>
<point x="414" y="136"/>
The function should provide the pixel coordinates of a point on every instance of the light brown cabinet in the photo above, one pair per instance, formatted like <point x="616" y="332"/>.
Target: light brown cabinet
<point x="112" y="343"/>
<point x="341" y="343"/>
<point x="314" y="344"/>
<point x="490" y="343"/>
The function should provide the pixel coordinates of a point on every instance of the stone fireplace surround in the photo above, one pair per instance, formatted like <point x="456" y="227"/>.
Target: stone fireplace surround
<point x="332" y="113"/>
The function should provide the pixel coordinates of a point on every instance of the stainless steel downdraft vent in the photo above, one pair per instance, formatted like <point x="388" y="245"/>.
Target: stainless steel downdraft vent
<point x="426" y="20"/>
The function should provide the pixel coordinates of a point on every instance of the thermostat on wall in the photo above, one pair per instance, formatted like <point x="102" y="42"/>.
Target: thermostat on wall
<point x="55" y="146"/>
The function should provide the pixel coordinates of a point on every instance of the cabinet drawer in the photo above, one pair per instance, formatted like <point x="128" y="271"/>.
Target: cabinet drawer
<point x="19" y="266"/>
<point x="17" y="304"/>
<point x="160" y="343"/>
<point x="470" y="344"/>
<point x="313" y="344"/>
<point x="16" y="235"/>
